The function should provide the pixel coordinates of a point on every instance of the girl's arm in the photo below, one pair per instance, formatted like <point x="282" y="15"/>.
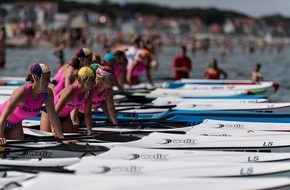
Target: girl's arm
<point x="88" y="114"/>
<point x="66" y="95"/>
<point x="111" y="107"/>
<point x="52" y="116"/>
<point x="223" y="73"/>
<point x="104" y="108"/>
<point x="148" y="74"/>
<point x="69" y="78"/>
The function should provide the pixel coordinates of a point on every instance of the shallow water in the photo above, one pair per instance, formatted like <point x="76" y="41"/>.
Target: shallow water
<point x="238" y="65"/>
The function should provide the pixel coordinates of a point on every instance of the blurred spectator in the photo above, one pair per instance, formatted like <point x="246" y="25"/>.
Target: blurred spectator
<point x="181" y="64"/>
<point x="213" y="71"/>
<point x="256" y="75"/>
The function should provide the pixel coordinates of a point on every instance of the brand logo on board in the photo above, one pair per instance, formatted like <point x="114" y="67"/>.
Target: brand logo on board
<point x="118" y="169"/>
<point x="177" y="141"/>
<point x="236" y="126"/>
<point x="156" y="156"/>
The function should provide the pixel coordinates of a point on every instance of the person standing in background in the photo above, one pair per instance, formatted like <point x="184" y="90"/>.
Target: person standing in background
<point x="213" y="71"/>
<point x="256" y="75"/>
<point x="181" y="64"/>
<point x="59" y="53"/>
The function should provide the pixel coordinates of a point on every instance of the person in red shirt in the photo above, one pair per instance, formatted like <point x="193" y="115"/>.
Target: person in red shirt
<point x="181" y="65"/>
<point x="213" y="71"/>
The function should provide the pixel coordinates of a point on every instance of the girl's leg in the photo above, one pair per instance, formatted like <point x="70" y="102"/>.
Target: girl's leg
<point x="68" y="127"/>
<point x="45" y="123"/>
<point x="16" y="133"/>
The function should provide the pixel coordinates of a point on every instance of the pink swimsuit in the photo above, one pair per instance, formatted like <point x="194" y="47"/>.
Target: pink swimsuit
<point x="138" y="69"/>
<point x="60" y="82"/>
<point x="96" y="99"/>
<point x="73" y="103"/>
<point x="30" y="108"/>
<point x="117" y="69"/>
<point x="58" y="75"/>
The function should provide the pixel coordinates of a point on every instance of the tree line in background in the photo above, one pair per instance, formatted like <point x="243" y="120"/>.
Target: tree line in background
<point x="207" y="15"/>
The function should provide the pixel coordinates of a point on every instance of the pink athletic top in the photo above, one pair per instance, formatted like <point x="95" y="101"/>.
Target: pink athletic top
<point x="96" y="99"/>
<point x="212" y="75"/>
<point x="117" y="69"/>
<point x="58" y="75"/>
<point x="30" y="108"/>
<point x="73" y="103"/>
<point x="60" y="83"/>
<point x="138" y="69"/>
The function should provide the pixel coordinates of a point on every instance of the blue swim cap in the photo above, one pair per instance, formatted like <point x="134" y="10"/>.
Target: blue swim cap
<point x="109" y="57"/>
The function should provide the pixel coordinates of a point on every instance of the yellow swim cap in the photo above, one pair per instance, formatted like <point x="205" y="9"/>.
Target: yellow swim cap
<point x="86" y="72"/>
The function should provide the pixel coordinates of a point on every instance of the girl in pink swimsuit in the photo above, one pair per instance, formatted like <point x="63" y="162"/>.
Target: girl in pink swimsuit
<point x="102" y="96"/>
<point x="25" y="102"/>
<point x="120" y="67"/>
<point x="73" y="97"/>
<point x="110" y="60"/>
<point x="138" y="66"/>
<point x="64" y="76"/>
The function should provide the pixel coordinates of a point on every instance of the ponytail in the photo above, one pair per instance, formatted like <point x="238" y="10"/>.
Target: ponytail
<point x="29" y="78"/>
<point x="75" y="62"/>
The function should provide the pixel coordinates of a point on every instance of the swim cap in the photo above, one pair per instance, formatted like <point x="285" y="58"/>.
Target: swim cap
<point x="38" y="69"/>
<point x="83" y="52"/>
<point x="144" y="53"/>
<point x="94" y="66"/>
<point x="86" y="72"/>
<point x="109" y="57"/>
<point x="104" y="71"/>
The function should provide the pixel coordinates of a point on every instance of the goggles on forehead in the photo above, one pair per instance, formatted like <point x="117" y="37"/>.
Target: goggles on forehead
<point x="105" y="76"/>
<point x="108" y="76"/>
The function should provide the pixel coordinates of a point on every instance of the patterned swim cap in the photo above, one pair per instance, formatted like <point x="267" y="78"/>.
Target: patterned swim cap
<point x="86" y="72"/>
<point x="83" y="52"/>
<point x="38" y="69"/>
<point x="104" y="71"/>
<point x="109" y="57"/>
<point x="94" y="66"/>
<point x="144" y="53"/>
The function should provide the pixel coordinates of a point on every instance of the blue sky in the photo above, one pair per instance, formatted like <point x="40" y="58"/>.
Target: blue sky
<point x="255" y="8"/>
